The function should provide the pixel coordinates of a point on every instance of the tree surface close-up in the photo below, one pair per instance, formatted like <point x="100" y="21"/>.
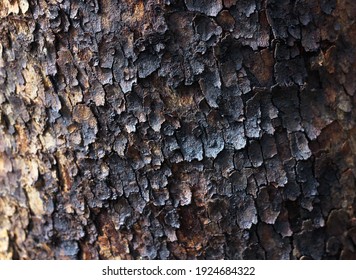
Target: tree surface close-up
<point x="177" y="129"/>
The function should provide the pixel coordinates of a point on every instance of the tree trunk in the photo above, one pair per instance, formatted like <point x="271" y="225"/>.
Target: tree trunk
<point x="174" y="129"/>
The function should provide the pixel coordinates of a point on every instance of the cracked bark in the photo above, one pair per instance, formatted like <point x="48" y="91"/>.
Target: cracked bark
<point x="177" y="129"/>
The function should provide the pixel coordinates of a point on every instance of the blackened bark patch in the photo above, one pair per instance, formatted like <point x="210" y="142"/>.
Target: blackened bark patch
<point x="200" y="129"/>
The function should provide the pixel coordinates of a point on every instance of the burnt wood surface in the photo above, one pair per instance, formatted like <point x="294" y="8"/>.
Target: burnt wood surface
<point x="206" y="129"/>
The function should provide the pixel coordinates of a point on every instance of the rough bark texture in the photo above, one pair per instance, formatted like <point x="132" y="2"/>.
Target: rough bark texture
<point x="177" y="129"/>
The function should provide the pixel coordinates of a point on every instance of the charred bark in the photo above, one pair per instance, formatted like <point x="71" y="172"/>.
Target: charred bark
<point x="177" y="129"/>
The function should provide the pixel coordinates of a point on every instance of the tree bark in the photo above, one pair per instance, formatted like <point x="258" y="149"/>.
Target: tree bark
<point x="171" y="129"/>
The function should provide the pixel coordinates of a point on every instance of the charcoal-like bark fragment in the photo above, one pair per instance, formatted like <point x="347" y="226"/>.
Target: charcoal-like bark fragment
<point x="299" y="146"/>
<point x="210" y="8"/>
<point x="181" y="193"/>
<point x="224" y="163"/>
<point x="232" y="109"/>
<point x="241" y="160"/>
<point x="238" y="181"/>
<point x="206" y="28"/>
<point x="269" y="204"/>
<point x="235" y="136"/>
<point x="213" y="143"/>
<point x="290" y="72"/>
<point x="313" y="250"/>
<point x="275" y="247"/>
<point x="211" y="87"/>
<point x="282" y="224"/>
<point x="146" y="64"/>
<point x="275" y="172"/>
<point x="190" y="145"/>
<point x="246" y="212"/>
<point x="288" y="108"/>
<point x="172" y="219"/>
<point x="255" y="154"/>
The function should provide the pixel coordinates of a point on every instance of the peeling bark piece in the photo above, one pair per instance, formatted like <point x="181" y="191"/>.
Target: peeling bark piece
<point x="279" y="177"/>
<point x="246" y="213"/>
<point x="106" y="54"/>
<point x="217" y="209"/>
<point x="35" y="202"/>
<point x="224" y="163"/>
<point x="261" y="66"/>
<point x="172" y="219"/>
<point x="210" y="86"/>
<point x="190" y="145"/>
<point x="228" y="73"/>
<point x="299" y="146"/>
<point x="246" y="23"/>
<point x="181" y="193"/>
<point x="255" y="154"/>
<point x="232" y="106"/>
<point x="213" y="143"/>
<point x="123" y="211"/>
<point x="146" y="64"/>
<point x="206" y="28"/>
<point x="137" y="202"/>
<point x="246" y="7"/>
<point x="259" y="178"/>
<point x="210" y="8"/>
<point x="241" y="160"/>
<point x="83" y="115"/>
<point x="282" y="224"/>
<point x="268" y="113"/>
<point x="120" y="145"/>
<point x="243" y="81"/>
